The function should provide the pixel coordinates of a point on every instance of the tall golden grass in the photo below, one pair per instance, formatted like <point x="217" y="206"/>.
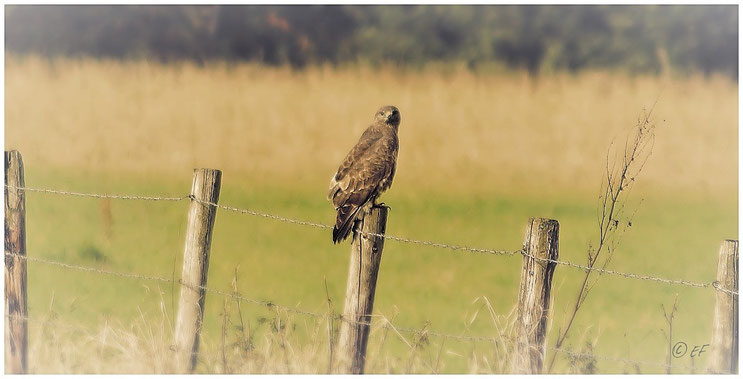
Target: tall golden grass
<point x="459" y="129"/>
<point x="144" y="347"/>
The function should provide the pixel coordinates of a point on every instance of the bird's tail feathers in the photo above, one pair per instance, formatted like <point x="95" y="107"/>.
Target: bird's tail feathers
<point x="344" y="222"/>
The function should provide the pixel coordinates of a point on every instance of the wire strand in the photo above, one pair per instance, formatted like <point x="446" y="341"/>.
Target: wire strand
<point x="385" y="236"/>
<point x="713" y="285"/>
<point x="265" y="303"/>
<point x="522" y="251"/>
<point x="633" y="276"/>
<point x="95" y="195"/>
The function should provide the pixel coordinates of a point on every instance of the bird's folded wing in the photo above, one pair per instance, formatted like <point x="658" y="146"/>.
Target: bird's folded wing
<point x="362" y="181"/>
<point x="341" y="179"/>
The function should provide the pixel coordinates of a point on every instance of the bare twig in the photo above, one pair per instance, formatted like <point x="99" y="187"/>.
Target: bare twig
<point x="613" y="193"/>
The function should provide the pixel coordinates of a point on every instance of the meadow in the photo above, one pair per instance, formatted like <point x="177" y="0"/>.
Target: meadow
<point x="480" y="153"/>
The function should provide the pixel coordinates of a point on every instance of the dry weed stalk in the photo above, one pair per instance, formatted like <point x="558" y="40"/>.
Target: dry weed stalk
<point x="611" y="218"/>
<point x="420" y="341"/>
<point x="225" y="321"/>
<point x="669" y="320"/>
<point x="330" y="327"/>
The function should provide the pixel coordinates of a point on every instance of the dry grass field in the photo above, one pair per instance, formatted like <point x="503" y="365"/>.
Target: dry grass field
<point x="475" y="132"/>
<point x="480" y="153"/>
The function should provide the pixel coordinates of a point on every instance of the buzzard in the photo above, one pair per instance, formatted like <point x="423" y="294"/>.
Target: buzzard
<point x="366" y="172"/>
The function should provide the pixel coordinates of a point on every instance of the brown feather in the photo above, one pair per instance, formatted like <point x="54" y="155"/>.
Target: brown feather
<point x="366" y="172"/>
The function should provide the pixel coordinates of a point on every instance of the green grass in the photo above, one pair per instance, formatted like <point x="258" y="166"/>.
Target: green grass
<point x="670" y="237"/>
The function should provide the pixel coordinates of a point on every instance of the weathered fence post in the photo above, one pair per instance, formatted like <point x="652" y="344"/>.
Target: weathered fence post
<point x="205" y="188"/>
<point x="366" y="255"/>
<point x="535" y="295"/>
<point x="724" y="349"/>
<point x="16" y="332"/>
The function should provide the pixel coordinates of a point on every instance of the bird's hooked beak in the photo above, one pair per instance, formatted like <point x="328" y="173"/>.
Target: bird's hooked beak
<point x="394" y="117"/>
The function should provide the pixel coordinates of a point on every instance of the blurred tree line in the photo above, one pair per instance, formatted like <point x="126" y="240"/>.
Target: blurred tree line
<point x="648" y="38"/>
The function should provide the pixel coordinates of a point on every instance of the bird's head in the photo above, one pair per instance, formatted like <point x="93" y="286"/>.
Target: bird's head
<point x="389" y="115"/>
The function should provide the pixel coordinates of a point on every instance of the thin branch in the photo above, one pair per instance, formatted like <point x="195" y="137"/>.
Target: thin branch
<point x="612" y="204"/>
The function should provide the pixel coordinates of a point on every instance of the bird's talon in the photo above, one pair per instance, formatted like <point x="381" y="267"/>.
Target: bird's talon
<point x="382" y="205"/>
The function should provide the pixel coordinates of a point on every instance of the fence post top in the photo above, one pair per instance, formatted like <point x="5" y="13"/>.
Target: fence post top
<point x="379" y="210"/>
<point x="12" y="155"/>
<point x="544" y="222"/>
<point x="213" y="171"/>
<point x="542" y="219"/>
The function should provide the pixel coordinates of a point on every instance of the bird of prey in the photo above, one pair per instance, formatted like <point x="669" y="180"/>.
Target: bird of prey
<point x="366" y="172"/>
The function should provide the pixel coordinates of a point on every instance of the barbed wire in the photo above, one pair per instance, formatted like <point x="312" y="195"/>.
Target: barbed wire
<point x="266" y="303"/>
<point x="90" y="269"/>
<point x="271" y="304"/>
<point x="385" y="236"/>
<point x="479" y="250"/>
<point x="99" y="196"/>
<point x="264" y="215"/>
<point x="682" y="282"/>
<point x="714" y="285"/>
<point x="271" y="216"/>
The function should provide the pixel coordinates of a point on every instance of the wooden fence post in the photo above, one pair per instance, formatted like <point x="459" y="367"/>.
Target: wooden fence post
<point x="16" y="306"/>
<point x="535" y="295"/>
<point x="724" y="349"/>
<point x="366" y="256"/>
<point x="206" y="185"/>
